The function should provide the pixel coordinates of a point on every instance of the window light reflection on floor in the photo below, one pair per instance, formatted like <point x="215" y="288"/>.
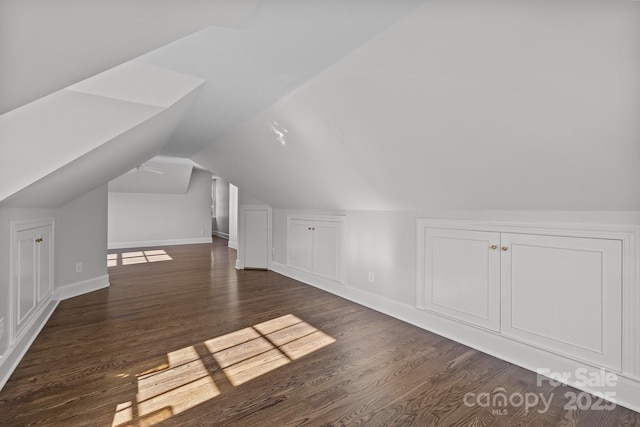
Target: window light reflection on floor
<point x="138" y="257"/>
<point x="184" y="384"/>
<point x="185" y="381"/>
<point x="246" y="354"/>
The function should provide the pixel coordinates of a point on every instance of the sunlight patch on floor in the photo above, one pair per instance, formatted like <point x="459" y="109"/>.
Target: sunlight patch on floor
<point x="138" y="257"/>
<point x="251" y="352"/>
<point x="184" y="382"/>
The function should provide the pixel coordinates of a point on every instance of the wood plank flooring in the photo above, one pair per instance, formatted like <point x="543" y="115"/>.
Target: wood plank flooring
<point x="182" y="338"/>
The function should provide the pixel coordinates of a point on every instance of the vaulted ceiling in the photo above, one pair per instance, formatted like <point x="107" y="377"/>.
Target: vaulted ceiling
<point x="355" y="104"/>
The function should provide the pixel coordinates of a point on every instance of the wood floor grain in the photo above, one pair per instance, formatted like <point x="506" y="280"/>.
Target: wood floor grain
<point x="181" y="338"/>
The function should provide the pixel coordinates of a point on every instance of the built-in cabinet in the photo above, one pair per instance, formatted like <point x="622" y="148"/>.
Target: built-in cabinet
<point x="558" y="290"/>
<point x="316" y="244"/>
<point x="32" y="272"/>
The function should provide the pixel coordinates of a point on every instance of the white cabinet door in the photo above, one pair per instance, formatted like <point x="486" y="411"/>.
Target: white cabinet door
<point x="256" y="238"/>
<point x="462" y="275"/>
<point x="316" y="244"/>
<point x="32" y="273"/>
<point x="327" y="249"/>
<point x="300" y="250"/>
<point x="564" y="294"/>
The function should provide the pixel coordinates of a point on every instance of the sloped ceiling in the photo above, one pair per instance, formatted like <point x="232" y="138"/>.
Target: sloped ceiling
<point x="161" y="174"/>
<point x="285" y="44"/>
<point x="466" y="104"/>
<point x="47" y="45"/>
<point x="459" y="105"/>
<point x="65" y="144"/>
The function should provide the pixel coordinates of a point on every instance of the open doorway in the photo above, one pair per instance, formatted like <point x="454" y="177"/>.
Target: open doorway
<point x="224" y="208"/>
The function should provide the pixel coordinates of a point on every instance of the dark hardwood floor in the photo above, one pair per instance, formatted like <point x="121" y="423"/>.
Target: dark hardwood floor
<point x="182" y="338"/>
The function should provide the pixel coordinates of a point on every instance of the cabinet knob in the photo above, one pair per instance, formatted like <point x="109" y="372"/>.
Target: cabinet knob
<point x="494" y="247"/>
<point x="505" y="248"/>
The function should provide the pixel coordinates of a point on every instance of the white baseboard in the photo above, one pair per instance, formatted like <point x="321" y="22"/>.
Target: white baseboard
<point x="74" y="289"/>
<point x="149" y="243"/>
<point x="626" y="390"/>
<point x="220" y="234"/>
<point x="15" y="352"/>
<point x="233" y="244"/>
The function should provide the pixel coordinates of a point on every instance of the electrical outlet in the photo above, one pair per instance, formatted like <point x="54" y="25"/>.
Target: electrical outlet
<point x="79" y="267"/>
<point x="202" y="232"/>
<point x="371" y="277"/>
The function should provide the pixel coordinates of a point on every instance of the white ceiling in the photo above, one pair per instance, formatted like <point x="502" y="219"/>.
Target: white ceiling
<point x="69" y="142"/>
<point x="255" y="50"/>
<point x="413" y="104"/>
<point x="47" y="45"/>
<point x="285" y="44"/>
<point x="166" y="175"/>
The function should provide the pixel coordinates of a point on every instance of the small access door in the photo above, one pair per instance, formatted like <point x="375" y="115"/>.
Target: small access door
<point x="256" y="237"/>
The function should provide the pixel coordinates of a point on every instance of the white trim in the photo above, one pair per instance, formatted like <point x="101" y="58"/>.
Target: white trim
<point x="233" y="244"/>
<point x="220" y="234"/>
<point x="149" y="243"/>
<point x="14" y="353"/>
<point x="79" y="288"/>
<point x="520" y="354"/>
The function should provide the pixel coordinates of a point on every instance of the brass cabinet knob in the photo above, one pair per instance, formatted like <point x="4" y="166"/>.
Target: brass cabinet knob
<point x="505" y="248"/>
<point x="494" y="247"/>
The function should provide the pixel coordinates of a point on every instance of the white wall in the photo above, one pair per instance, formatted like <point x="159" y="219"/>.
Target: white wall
<point x="162" y="219"/>
<point x="81" y="237"/>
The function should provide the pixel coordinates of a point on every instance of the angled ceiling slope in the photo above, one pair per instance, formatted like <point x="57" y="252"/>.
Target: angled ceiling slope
<point x="286" y="43"/>
<point x="47" y="45"/>
<point x="474" y="105"/>
<point x="160" y="175"/>
<point x="60" y="146"/>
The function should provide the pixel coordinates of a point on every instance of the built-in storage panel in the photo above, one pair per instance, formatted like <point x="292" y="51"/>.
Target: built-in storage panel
<point x="300" y="246"/>
<point x="564" y="294"/>
<point x="472" y="293"/>
<point x="558" y="290"/>
<point x="32" y="255"/>
<point x="316" y="244"/>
